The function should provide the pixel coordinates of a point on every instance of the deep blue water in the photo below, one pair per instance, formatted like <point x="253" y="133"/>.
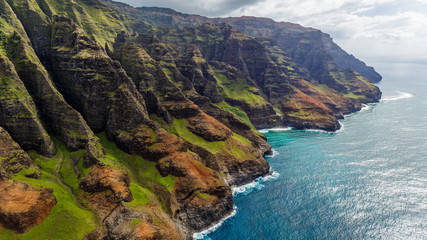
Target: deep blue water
<point x="368" y="181"/>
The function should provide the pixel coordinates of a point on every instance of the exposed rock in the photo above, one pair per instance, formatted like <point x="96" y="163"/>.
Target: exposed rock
<point x="110" y="188"/>
<point x="200" y="196"/>
<point x="97" y="86"/>
<point x="186" y="99"/>
<point x="233" y="123"/>
<point x="22" y="207"/>
<point x="18" y="113"/>
<point x="100" y="179"/>
<point x="208" y="128"/>
<point x="302" y="111"/>
<point x="120" y="221"/>
<point x="288" y="34"/>
<point x="196" y="69"/>
<point x="135" y="58"/>
<point x="37" y="25"/>
<point x="312" y="50"/>
<point x="158" y="225"/>
<point x="60" y="117"/>
<point x="242" y="92"/>
<point x="12" y="158"/>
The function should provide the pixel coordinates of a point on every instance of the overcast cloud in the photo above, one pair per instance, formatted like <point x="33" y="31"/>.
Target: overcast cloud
<point x="392" y="29"/>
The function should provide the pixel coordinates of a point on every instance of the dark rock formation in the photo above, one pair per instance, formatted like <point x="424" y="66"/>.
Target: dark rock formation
<point x="18" y="113"/>
<point x="12" y="158"/>
<point x="174" y="105"/>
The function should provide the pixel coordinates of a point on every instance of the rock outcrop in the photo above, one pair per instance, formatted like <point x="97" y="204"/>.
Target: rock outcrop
<point x="12" y="158"/>
<point x="112" y="127"/>
<point x="281" y="56"/>
<point x="22" y="207"/>
<point x="18" y="113"/>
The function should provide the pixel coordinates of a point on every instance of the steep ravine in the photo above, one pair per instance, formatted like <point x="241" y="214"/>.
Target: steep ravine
<point x="112" y="127"/>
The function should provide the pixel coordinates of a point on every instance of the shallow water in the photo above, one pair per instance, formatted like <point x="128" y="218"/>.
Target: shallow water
<point x="368" y="181"/>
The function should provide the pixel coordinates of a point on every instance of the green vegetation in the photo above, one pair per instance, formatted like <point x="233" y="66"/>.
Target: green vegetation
<point x="180" y="126"/>
<point x="305" y="113"/>
<point x="241" y="139"/>
<point x="100" y="24"/>
<point x="97" y="21"/>
<point x="229" y="146"/>
<point x="68" y="219"/>
<point x="144" y="175"/>
<point x="238" y="89"/>
<point x="366" y="81"/>
<point x="240" y="114"/>
<point x="203" y="195"/>
<point x="7" y="234"/>
<point x="135" y="221"/>
<point x="354" y="83"/>
<point x="140" y="195"/>
<point x="353" y="95"/>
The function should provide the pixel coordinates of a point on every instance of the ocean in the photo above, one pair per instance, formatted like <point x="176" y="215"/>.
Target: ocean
<point x="367" y="181"/>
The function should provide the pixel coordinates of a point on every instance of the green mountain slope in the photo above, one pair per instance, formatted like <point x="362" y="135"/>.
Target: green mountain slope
<point x="123" y="123"/>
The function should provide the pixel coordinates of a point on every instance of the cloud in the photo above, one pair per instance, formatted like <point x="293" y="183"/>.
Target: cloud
<point x="385" y="27"/>
<point x="381" y="28"/>
<point x="203" y="7"/>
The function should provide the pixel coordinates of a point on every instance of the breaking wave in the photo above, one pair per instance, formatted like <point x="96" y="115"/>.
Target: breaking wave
<point x="275" y="130"/>
<point x="203" y="234"/>
<point x="399" y="95"/>
<point x="258" y="184"/>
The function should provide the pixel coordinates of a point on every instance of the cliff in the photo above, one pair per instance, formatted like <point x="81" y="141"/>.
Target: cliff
<point x="124" y="123"/>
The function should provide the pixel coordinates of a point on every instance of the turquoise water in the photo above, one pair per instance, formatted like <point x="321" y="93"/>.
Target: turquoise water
<point x="368" y="181"/>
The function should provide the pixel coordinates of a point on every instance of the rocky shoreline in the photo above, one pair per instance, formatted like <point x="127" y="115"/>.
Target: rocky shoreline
<point x="125" y="123"/>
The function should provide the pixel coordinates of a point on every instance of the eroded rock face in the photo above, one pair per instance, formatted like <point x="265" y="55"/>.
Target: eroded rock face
<point x="193" y="65"/>
<point x="101" y="179"/>
<point x="109" y="190"/>
<point x="186" y="99"/>
<point x="212" y="128"/>
<point x="12" y="158"/>
<point x="22" y="207"/>
<point x="200" y="196"/>
<point x="60" y="117"/>
<point x="277" y="58"/>
<point x="152" y="228"/>
<point x="18" y="113"/>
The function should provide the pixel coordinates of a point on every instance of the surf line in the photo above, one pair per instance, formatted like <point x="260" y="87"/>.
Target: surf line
<point x="400" y="95"/>
<point x="205" y="233"/>
<point x="257" y="184"/>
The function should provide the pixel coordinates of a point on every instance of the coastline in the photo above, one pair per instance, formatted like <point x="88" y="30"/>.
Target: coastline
<point x="257" y="184"/>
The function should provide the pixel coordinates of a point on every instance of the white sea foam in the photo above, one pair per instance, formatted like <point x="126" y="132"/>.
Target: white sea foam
<point x="258" y="184"/>
<point x="365" y="107"/>
<point x="275" y="130"/>
<point x="245" y="189"/>
<point x="316" y="130"/>
<point x="341" y="128"/>
<point x="321" y="131"/>
<point x="274" y="153"/>
<point x="204" y="233"/>
<point x="399" y="95"/>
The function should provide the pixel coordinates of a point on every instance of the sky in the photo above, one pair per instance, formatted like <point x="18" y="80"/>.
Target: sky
<point x="395" y="30"/>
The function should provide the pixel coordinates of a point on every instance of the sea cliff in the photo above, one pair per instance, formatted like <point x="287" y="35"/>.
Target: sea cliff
<point x="126" y="123"/>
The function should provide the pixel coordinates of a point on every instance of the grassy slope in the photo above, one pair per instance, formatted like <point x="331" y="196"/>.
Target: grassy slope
<point x="229" y="146"/>
<point x="69" y="219"/>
